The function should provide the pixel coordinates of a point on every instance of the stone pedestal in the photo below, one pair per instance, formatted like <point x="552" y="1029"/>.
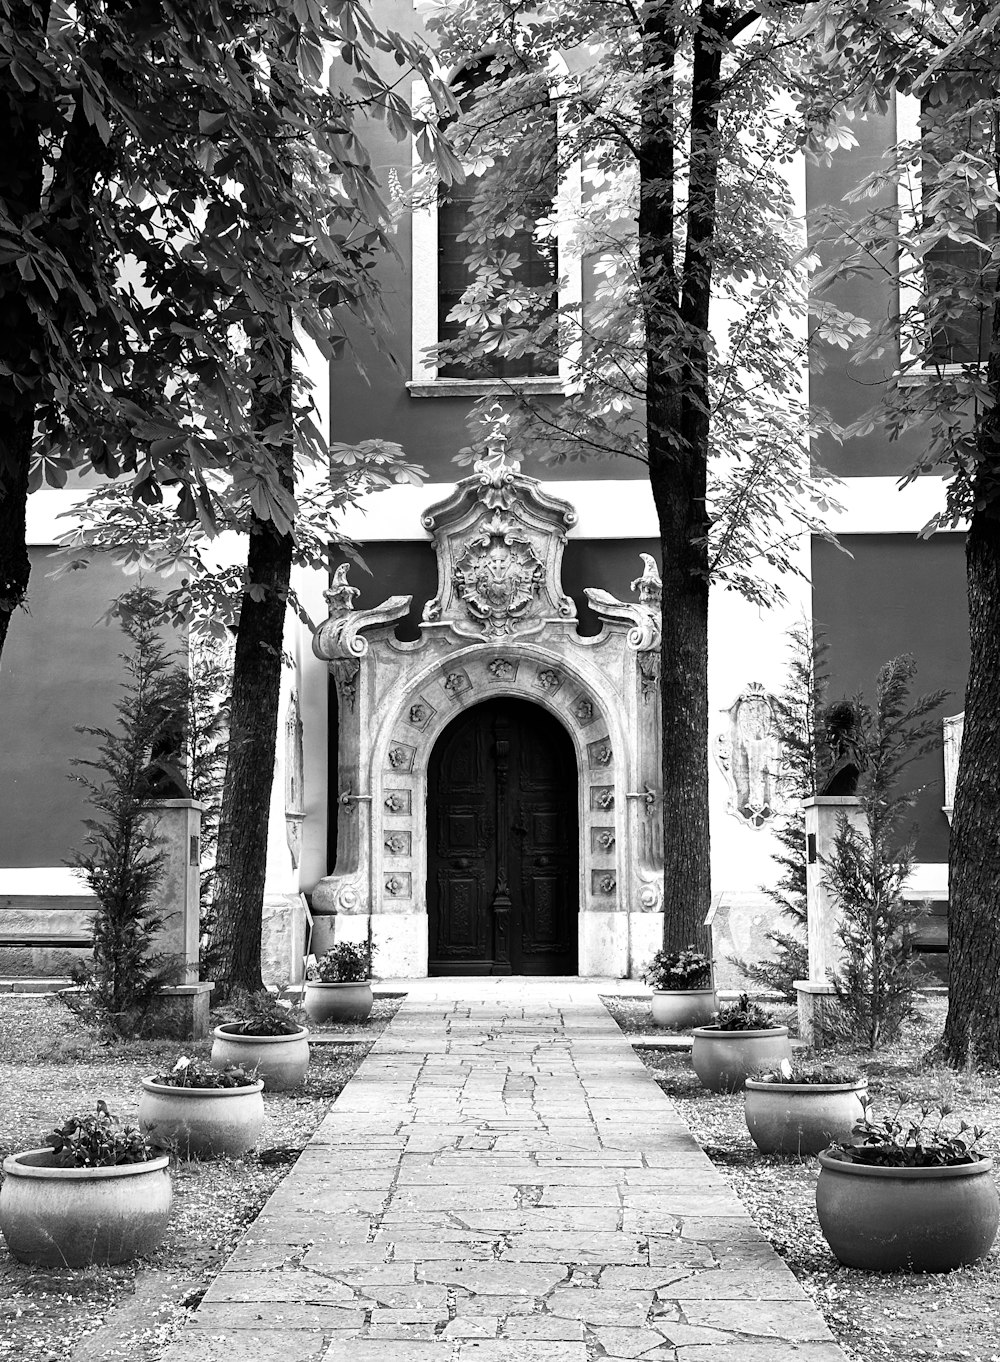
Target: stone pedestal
<point x="177" y="899"/>
<point x="283" y="939"/>
<point x="822" y="814"/>
<point x="181" y="1012"/>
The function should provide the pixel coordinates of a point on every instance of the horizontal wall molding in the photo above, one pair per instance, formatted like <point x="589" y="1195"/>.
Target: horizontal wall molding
<point x="55" y="881"/>
<point x="607" y="508"/>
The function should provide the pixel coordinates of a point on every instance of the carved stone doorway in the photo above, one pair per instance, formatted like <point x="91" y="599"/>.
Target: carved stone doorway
<point x="502" y="834"/>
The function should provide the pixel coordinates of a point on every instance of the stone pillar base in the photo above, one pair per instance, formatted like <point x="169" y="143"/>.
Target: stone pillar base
<point x="817" y="1003"/>
<point x="181" y="1012"/>
<point x="604" y="945"/>
<point x="283" y="939"/>
<point x="399" y="940"/>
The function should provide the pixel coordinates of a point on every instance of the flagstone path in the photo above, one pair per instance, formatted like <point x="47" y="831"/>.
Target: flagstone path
<point x="503" y="1181"/>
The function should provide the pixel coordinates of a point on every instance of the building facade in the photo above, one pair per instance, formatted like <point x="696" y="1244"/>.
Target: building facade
<point x="468" y="763"/>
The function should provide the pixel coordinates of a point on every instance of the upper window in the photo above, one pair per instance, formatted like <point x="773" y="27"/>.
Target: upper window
<point x="519" y="212"/>
<point x="957" y="272"/>
<point x="516" y="195"/>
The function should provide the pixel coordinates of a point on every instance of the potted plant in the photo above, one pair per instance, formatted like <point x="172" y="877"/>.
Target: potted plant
<point x="97" y="1193"/>
<point x="260" y="1032"/>
<point x="908" y="1194"/>
<point x="800" y="1109"/>
<point x="742" y="1041"/>
<point x="202" y="1113"/>
<point x="683" y="994"/>
<point x="338" y="985"/>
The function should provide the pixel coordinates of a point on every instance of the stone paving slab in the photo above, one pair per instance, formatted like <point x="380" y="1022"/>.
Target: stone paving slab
<point x="503" y="1181"/>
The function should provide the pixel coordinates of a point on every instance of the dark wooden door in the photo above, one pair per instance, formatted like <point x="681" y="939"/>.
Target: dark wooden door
<point x="502" y="879"/>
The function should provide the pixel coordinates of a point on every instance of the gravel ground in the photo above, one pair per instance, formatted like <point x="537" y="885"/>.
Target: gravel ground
<point x="902" y="1316"/>
<point x="132" y="1312"/>
<point x="52" y="1069"/>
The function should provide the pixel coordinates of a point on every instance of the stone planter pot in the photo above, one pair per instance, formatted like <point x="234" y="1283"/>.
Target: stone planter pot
<point x="72" y="1217"/>
<point x="801" y="1118"/>
<point x="724" y="1059"/>
<point x="337" y="1002"/>
<point x="907" y="1219"/>
<point x="280" y="1061"/>
<point x="201" y="1123"/>
<point x="682" y="1008"/>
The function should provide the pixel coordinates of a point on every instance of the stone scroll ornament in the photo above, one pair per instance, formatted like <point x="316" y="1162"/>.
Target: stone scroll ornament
<point x="498" y="576"/>
<point x="748" y="751"/>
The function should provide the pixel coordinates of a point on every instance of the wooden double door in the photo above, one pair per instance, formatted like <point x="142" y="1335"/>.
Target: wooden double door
<point x="503" y="857"/>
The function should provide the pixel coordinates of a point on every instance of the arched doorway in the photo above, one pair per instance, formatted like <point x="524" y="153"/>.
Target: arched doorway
<point x="502" y="844"/>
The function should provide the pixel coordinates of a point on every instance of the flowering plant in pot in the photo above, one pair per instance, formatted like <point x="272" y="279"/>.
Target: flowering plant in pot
<point x="98" y="1192"/>
<point x="743" y="1039"/>
<point x="800" y="1109"/>
<point x="908" y="1193"/>
<point x="202" y="1113"/>
<point x="681" y="981"/>
<point x="338" y="984"/>
<point x="260" y="1032"/>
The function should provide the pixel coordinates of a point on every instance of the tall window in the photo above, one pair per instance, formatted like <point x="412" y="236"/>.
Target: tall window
<point x="522" y="190"/>
<point x="957" y="271"/>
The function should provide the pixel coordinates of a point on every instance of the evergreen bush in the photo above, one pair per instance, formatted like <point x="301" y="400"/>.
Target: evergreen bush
<point x="121" y="861"/>
<point x="869" y="866"/>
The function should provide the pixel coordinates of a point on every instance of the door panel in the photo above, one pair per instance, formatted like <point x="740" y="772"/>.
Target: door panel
<point x="503" y="871"/>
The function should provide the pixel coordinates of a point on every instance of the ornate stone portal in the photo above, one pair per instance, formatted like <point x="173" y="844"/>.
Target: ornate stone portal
<point x="500" y="625"/>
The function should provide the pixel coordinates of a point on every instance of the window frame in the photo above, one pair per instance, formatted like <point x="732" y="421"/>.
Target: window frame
<point x="424" y="380"/>
<point x="909" y="295"/>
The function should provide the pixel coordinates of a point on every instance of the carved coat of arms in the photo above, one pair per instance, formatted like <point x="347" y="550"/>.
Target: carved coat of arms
<point x="498" y="576"/>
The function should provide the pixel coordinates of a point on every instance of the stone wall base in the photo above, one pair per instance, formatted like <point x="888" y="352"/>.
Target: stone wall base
<point x="609" y="943"/>
<point x="817" y="1005"/>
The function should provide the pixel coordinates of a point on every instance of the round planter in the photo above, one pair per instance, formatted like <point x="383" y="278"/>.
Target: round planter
<point x="801" y="1118"/>
<point x="683" y="1008"/>
<point x="907" y="1219"/>
<point x="201" y="1123"/>
<point x="723" y="1059"/>
<point x="72" y="1217"/>
<point x="280" y="1061"/>
<point x="338" y="1002"/>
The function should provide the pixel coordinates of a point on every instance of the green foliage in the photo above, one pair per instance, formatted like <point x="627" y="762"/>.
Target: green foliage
<point x="805" y="758"/>
<point x="207" y="156"/>
<point x="790" y="1072"/>
<point x="344" y="963"/>
<point x="258" y="1014"/>
<point x="665" y="218"/>
<point x="188" y="1073"/>
<point x="743" y="1015"/>
<point x="935" y="189"/>
<point x="99" y="1141"/>
<point x="898" y="1141"/>
<point x="869" y="865"/>
<point x="121" y="861"/>
<point x="678" y="970"/>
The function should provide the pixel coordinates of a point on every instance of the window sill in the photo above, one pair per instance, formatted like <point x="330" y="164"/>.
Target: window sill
<point x="913" y="378"/>
<point x="485" y="387"/>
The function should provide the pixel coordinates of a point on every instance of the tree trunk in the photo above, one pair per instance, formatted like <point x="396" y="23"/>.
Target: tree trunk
<point x="972" y="1031"/>
<point x="20" y="189"/>
<point x="246" y="796"/>
<point x="676" y="317"/>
